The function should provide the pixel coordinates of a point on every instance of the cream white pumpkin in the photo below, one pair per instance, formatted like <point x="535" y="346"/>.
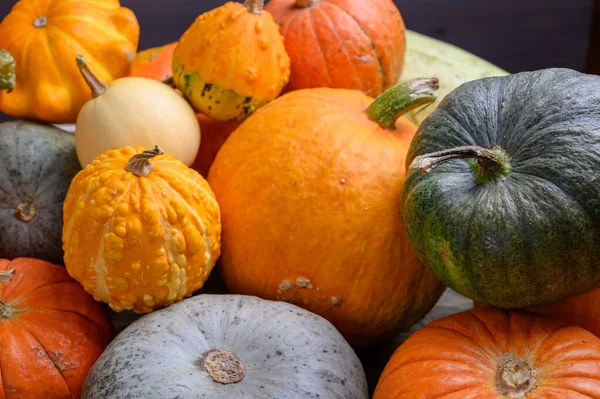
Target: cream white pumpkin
<point x="135" y="111"/>
<point x="228" y="347"/>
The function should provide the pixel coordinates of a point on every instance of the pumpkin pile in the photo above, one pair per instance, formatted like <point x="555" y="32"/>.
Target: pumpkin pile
<point x="264" y="206"/>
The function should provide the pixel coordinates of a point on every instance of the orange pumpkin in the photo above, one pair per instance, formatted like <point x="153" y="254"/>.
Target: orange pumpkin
<point x="214" y="135"/>
<point x="231" y="61"/>
<point x="309" y="188"/>
<point x="141" y="230"/>
<point x="581" y="310"/>
<point x="353" y="44"/>
<point x="51" y="331"/>
<point x="45" y="36"/>
<point x="154" y="63"/>
<point x="487" y="353"/>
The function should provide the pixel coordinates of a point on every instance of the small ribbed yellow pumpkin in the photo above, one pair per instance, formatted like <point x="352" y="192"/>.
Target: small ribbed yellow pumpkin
<point x="231" y="61"/>
<point x="141" y="230"/>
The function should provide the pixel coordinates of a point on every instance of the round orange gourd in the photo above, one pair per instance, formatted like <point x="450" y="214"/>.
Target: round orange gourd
<point x="44" y="36"/>
<point x="309" y="188"/>
<point x="154" y="63"/>
<point x="352" y="44"/>
<point x="488" y="353"/>
<point x="141" y="230"/>
<point x="51" y="331"/>
<point x="231" y="61"/>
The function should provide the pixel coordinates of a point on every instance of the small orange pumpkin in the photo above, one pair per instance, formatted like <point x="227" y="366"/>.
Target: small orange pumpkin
<point x="231" y="61"/>
<point x="488" y="353"/>
<point x="51" y="331"/>
<point x="44" y="36"/>
<point x="154" y="63"/>
<point x="351" y="44"/>
<point x="309" y="188"/>
<point x="141" y="230"/>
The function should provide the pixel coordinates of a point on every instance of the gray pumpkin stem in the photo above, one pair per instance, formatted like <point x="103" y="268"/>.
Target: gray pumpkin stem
<point x="140" y="165"/>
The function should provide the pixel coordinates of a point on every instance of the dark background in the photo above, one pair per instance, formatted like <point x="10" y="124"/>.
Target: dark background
<point x="516" y="35"/>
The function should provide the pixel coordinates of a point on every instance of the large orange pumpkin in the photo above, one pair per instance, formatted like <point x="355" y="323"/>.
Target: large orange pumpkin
<point x="45" y="36"/>
<point x="488" y="353"/>
<point x="154" y="63"/>
<point x="352" y="44"/>
<point x="51" y="331"/>
<point x="141" y="230"/>
<point x="309" y="188"/>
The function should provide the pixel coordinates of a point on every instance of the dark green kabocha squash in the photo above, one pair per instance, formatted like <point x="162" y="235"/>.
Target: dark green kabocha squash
<point x="502" y="197"/>
<point x="37" y="163"/>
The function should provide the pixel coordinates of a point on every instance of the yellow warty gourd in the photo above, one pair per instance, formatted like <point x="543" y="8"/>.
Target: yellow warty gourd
<point x="141" y="230"/>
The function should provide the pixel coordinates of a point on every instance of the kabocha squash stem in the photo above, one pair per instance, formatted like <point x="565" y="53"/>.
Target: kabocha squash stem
<point x="400" y="99"/>
<point x="306" y="3"/>
<point x="8" y="79"/>
<point x="255" y="6"/>
<point x="140" y="165"/>
<point x="5" y="278"/>
<point x="97" y="87"/>
<point x="490" y="164"/>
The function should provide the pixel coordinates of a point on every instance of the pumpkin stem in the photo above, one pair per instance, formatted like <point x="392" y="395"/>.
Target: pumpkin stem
<point x="254" y="6"/>
<point x="489" y="164"/>
<point x="169" y="82"/>
<point x="306" y="3"/>
<point x="97" y="87"/>
<point x="223" y="366"/>
<point x="515" y="377"/>
<point x="401" y="98"/>
<point x="5" y="278"/>
<point x="26" y="210"/>
<point x="8" y="79"/>
<point x="140" y="165"/>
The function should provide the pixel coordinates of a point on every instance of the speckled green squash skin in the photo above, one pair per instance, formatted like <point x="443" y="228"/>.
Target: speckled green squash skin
<point x="287" y="353"/>
<point x="212" y="100"/>
<point x="37" y="162"/>
<point x="533" y="238"/>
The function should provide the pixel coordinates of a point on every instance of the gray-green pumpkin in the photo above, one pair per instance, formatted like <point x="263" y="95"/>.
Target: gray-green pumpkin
<point x="228" y="347"/>
<point x="37" y="163"/>
<point x="502" y="196"/>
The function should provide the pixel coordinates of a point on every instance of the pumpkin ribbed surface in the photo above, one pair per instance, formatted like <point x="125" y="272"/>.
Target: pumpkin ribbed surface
<point x="140" y="242"/>
<point x="351" y="44"/>
<point x="51" y="331"/>
<point x="492" y="354"/>
<point x="44" y="36"/>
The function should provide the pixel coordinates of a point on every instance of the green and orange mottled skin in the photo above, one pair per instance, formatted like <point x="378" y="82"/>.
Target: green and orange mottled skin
<point x="140" y="242"/>
<point x="309" y="188"/>
<point x="525" y="233"/>
<point x="231" y="61"/>
<point x="51" y="331"/>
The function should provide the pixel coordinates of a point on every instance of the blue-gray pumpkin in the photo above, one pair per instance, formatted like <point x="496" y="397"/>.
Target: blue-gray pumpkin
<point x="37" y="163"/>
<point x="228" y="347"/>
<point x="502" y="197"/>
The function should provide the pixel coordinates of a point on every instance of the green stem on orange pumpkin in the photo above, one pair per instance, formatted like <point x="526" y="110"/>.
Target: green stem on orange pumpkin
<point x="401" y="98"/>
<point x="97" y="87"/>
<point x="489" y="164"/>
<point x="8" y="79"/>
<point x="140" y="165"/>
<point x="254" y="6"/>
<point x="5" y="278"/>
<point x="306" y="3"/>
